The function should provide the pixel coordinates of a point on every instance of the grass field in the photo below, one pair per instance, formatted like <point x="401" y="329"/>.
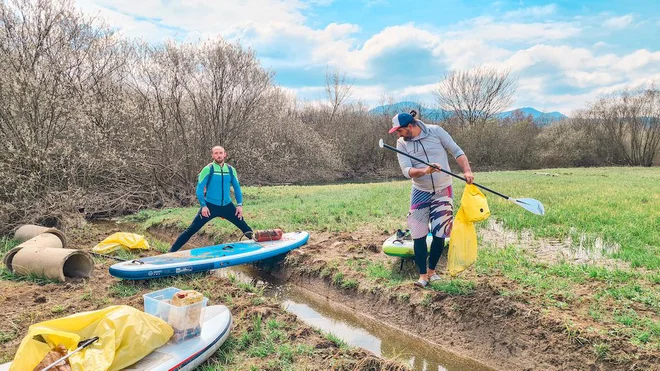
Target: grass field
<point x="616" y="209"/>
<point x="619" y="205"/>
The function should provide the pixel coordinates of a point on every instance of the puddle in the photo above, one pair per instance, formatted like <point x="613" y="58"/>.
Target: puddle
<point x="354" y="329"/>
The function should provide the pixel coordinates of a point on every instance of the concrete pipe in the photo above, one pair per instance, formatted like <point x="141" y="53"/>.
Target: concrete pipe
<point x="53" y="263"/>
<point x="29" y="231"/>
<point x="48" y="240"/>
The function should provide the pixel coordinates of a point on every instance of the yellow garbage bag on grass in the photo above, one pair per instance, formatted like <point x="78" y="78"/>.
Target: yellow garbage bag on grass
<point x="121" y="240"/>
<point x="462" y="244"/>
<point x="463" y="241"/>
<point x="126" y="335"/>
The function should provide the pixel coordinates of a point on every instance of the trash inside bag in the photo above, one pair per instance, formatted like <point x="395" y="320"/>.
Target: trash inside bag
<point x="126" y="335"/>
<point x="474" y="204"/>
<point x="121" y="240"/>
<point x="55" y="354"/>
<point x="462" y="244"/>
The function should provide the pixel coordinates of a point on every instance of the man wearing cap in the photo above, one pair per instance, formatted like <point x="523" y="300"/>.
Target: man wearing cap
<point x="213" y="184"/>
<point x="431" y="199"/>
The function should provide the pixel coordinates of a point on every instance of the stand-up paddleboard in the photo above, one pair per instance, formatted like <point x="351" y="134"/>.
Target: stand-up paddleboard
<point x="403" y="246"/>
<point x="188" y="354"/>
<point x="206" y="258"/>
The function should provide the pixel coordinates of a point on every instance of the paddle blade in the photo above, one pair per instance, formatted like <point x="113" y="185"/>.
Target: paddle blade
<point x="380" y="143"/>
<point x="529" y="204"/>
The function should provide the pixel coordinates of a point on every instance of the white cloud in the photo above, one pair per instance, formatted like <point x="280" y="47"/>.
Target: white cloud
<point x="485" y="28"/>
<point x="618" y="22"/>
<point x="600" y="44"/>
<point x="534" y="12"/>
<point x="469" y="53"/>
<point x="584" y="79"/>
<point x="357" y="60"/>
<point x="638" y="59"/>
<point x="418" y="90"/>
<point x="199" y="18"/>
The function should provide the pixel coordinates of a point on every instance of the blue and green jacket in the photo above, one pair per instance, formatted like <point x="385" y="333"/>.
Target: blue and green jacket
<point x="217" y="187"/>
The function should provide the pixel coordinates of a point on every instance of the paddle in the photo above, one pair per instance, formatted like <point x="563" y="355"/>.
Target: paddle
<point x="528" y="204"/>
<point x="81" y="345"/>
<point x="108" y="257"/>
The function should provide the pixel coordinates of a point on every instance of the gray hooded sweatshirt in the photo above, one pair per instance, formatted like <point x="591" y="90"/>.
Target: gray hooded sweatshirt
<point x="432" y="145"/>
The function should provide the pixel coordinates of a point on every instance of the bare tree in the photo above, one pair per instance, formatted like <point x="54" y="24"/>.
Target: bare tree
<point x="475" y="95"/>
<point x="337" y="91"/>
<point x="631" y="123"/>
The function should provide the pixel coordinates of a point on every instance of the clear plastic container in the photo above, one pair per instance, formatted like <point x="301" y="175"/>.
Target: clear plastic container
<point x="185" y="320"/>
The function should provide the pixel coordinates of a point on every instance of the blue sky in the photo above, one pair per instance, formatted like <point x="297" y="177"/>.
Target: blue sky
<point x="563" y="53"/>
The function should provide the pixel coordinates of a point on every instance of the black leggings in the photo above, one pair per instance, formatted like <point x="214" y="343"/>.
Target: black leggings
<point x="227" y="211"/>
<point x="421" y="254"/>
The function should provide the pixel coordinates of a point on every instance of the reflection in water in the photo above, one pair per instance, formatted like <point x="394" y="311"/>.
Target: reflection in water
<point x="352" y="328"/>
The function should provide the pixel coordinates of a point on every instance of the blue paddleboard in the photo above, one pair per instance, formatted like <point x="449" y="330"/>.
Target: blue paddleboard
<point x="206" y="258"/>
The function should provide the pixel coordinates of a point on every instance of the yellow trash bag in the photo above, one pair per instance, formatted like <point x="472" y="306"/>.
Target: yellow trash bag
<point x="474" y="204"/>
<point x="121" y="240"/>
<point x="126" y="335"/>
<point x="462" y="244"/>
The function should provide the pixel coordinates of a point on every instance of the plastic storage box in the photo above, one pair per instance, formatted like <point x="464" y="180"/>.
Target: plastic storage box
<point x="186" y="320"/>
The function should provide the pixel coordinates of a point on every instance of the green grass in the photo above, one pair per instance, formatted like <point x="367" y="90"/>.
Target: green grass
<point x="7" y="336"/>
<point x="454" y="286"/>
<point x="7" y="244"/>
<point x="58" y="309"/>
<point x="336" y="340"/>
<point x="9" y="276"/>
<point x="124" y="289"/>
<point x="260" y="340"/>
<point x="619" y="205"/>
<point x="389" y="273"/>
<point x="556" y="285"/>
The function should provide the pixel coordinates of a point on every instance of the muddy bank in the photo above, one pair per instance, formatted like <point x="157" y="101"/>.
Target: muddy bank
<point x="264" y="335"/>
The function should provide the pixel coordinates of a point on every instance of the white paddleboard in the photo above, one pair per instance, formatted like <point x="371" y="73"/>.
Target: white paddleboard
<point x="187" y="354"/>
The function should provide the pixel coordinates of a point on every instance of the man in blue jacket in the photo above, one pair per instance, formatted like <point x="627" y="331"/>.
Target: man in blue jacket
<point x="213" y="185"/>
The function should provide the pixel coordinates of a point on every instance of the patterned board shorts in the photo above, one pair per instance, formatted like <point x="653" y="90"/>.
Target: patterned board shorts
<point x="434" y="208"/>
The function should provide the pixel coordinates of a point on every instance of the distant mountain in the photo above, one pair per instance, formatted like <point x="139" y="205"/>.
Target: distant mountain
<point x="537" y="115"/>
<point x="439" y="114"/>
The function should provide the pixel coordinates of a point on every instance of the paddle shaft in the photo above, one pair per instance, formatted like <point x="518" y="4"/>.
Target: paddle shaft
<point x="444" y="171"/>
<point x="108" y="257"/>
